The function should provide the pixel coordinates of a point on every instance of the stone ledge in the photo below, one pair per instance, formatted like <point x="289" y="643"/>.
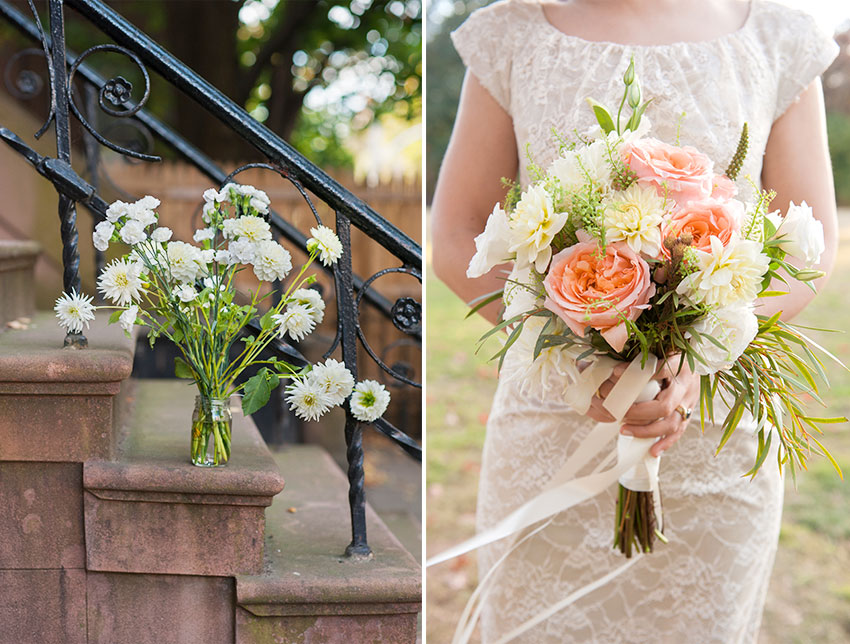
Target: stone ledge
<point x="150" y="511"/>
<point x="17" y="265"/>
<point x="35" y="355"/>
<point x="301" y="576"/>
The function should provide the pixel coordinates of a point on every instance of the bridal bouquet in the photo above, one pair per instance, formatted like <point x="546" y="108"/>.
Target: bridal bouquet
<point x="185" y="292"/>
<point x="631" y="249"/>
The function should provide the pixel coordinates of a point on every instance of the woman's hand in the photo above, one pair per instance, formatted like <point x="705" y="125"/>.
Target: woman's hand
<point x="659" y="417"/>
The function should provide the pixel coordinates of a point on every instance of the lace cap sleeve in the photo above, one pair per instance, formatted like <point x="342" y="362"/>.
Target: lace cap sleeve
<point x="483" y="42"/>
<point x="804" y="52"/>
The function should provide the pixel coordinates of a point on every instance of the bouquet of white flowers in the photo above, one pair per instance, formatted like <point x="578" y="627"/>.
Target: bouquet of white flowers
<point x="185" y="293"/>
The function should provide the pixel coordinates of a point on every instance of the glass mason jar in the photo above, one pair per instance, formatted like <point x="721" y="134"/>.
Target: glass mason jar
<point x="211" y="423"/>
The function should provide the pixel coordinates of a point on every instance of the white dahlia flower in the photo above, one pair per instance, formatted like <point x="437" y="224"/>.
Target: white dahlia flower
<point x="296" y="320"/>
<point x="534" y="224"/>
<point x="120" y="281"/>
<point x="326" y="243"/>
<point x="335" y="380"/>
<point x="307" y="399"/>
<point x="369" y="401"/>
<point x="727" y="275"/>
<point x="635" y="216"/>
<point x="491" y="246"/>
<point x="185" y="261"/>
<point x="74" y="311"/>
<point x="312" y="300"/>
<point x="271" y="261"/>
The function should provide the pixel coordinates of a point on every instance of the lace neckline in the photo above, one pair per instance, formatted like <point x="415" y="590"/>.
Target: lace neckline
<point x="745" y="26"/>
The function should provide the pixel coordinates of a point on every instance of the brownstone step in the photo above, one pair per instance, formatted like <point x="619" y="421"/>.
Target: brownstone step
<point x="308" y="591"/>
<point x="17" y="279"/>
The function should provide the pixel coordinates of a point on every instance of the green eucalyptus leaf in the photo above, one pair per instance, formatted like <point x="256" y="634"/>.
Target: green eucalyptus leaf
<point x="602" y="116"/>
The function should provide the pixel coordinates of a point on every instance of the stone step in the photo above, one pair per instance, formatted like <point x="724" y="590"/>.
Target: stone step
<point x="61" y="405"/>
<point x="17" y="279"/>
<point x="150" y="511"/>
<point x="307" y="590"/>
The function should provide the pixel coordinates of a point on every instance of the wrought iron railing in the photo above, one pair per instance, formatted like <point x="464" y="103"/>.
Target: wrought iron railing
<point x="113" y="96"/>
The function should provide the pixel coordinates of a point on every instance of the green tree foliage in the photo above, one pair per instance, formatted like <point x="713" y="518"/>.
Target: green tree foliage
<point x="838" y="128"/>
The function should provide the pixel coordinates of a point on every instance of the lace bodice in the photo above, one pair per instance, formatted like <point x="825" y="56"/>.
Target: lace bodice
<point x="541" y="77"/>
<point x="709" y="582"/>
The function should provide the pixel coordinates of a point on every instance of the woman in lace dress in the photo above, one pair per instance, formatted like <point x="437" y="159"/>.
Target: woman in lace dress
<point x="721" y="62"/>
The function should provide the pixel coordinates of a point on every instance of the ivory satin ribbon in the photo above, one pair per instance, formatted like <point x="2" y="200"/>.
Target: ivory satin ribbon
<point x="634" y="466"/>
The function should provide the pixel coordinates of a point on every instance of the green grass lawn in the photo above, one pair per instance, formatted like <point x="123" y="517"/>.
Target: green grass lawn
<point x="809" y="597"/>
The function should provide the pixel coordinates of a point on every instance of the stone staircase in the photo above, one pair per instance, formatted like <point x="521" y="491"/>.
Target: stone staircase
<point x="108" y="534"/>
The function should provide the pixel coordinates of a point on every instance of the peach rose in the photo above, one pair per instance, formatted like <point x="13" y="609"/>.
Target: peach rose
<point x="704" y="220"/>
<point x="682" y="173"/>
<point x="588" y="288"/>
<point x="723" y="188"/>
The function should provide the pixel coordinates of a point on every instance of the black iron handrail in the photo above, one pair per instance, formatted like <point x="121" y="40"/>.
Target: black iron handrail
<point x="72" y="189"/>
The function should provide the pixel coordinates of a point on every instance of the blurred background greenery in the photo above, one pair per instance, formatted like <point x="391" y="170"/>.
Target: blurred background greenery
<point x="809" y="596"/>
<point x="336" y="78"/>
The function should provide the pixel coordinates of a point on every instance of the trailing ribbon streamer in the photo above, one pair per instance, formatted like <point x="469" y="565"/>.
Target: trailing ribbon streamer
<point x="564" y="491"/>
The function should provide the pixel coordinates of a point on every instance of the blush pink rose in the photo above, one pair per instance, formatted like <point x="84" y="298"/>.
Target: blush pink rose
<point x="682" y="173"/>
<point x="723" y="188"/>
<point x="588" y="288"/>
<point x="704" y="220"/>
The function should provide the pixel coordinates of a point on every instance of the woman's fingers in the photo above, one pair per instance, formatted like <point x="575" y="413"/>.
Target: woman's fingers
<point x="661" y="427"/>
<point x="668" y="441"/>
<point x="661" y="406"/>
<point x="598" y="413"/>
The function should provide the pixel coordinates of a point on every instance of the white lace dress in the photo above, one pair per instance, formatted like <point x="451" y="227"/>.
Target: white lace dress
<point x="709" y="583"/>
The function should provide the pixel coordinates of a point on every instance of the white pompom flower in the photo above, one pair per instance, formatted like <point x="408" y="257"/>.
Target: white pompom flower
<point x="271" y="261"/>
<point x="369" y="401"/>
<point x="635" y="216"/>
<point x="254" y="228"/>
<point x="185" y="261"/>
<point x="128" y="318"/>
<point x="161" y="234"/>
<point x="307" y="399"/>
<point x="297" y="320"/>
<point x="120" y="281"/>
<point x="75" y="311"/>
<point x="334" y="378"/>
<point x="133" y="232"/>
<point x="312" y="300"/>
<point x="325" y="242"/>
<point x="242" y="251"/>
<point x="259" y="205"/>
<point x="102" y="235"/>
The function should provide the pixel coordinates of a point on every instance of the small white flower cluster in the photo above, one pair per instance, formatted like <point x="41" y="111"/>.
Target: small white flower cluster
<point x="328" y="385"/>
<point x="129" y="219"/>
<point x="234" y="192"/>
<point x="303" y="312"/>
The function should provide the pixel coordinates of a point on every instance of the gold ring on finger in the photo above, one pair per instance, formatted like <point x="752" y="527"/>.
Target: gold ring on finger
<point x="684" y="412"/>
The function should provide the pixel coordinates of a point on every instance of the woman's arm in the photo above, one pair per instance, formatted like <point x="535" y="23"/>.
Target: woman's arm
<point x="797" y="167"/>
<point x="482" y="151"/>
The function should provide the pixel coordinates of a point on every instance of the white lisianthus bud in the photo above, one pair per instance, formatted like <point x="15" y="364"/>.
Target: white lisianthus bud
<point x="801" y="234"/>
<point x="128" y="318"/>
<point x="491" y="246"/>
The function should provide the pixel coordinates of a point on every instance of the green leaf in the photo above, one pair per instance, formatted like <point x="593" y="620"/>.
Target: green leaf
<point x="602" y="116"/>
<point x="266" y="323"/>
<point x="258" y="389"/>
<point x="115" y="315"/>
<point x="480" y="302"/>
<point x="182" y="369"/>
